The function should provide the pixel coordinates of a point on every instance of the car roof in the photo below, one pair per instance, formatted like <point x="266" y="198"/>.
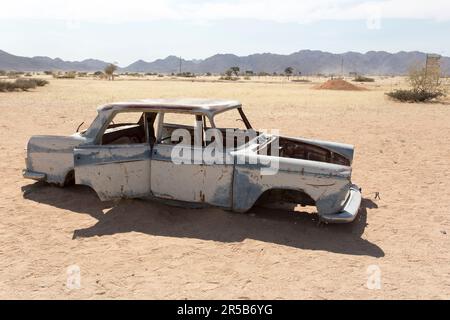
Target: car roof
<point x="203" y="106"/>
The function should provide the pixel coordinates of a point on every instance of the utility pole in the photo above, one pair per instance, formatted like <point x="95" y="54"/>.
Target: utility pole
<point x="342" y="68"/>
<point x="180" y="66"/>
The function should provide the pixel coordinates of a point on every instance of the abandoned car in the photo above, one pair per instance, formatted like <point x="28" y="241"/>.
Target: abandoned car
<point x="134" y="158"/>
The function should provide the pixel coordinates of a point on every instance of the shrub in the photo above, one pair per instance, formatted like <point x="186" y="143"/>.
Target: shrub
<point x="25" y="84"/>
<point x="425" y="85"/>
<point x="133" y="74"/>
<point x="2" y="73"/>
<point x="186" y="75"/>
<point x="363" y="79"/>
<point x="22" y="84"/>
<point x="40" y="82"/>
<point x="228" y="78"/>
<point x="14" y="74"/>
<point x="69" y="75"/>
<point x="65" y="75"/>
<point x="7" y="86"/>
<point x="414" y="96"/>
<point x="300" y="80"/>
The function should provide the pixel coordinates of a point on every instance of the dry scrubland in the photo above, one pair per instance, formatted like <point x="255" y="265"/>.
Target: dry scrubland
<point x="138" y="249"/>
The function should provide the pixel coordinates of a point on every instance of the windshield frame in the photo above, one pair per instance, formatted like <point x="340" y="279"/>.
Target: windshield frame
<point x="241" y="113"/>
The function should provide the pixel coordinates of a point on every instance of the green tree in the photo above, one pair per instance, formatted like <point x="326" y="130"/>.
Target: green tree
<point x="235" y="70"/>
<point x="288" y="71"/>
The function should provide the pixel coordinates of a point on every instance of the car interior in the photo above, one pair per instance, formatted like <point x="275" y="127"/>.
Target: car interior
<point x="131" y="132"/>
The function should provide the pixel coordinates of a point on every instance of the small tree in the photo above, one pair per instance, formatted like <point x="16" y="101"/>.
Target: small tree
<point x="425" y="85"/>
<point x="109" y="71"/>
<point x="228" y="74"/>
<point x="424" y="80"/>
<point x="235" y="70"/>
<point x="288" y="71"/>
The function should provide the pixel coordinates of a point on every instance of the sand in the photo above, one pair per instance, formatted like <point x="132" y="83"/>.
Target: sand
<point x="139" y="249"/>
<point x="339" y="84"/>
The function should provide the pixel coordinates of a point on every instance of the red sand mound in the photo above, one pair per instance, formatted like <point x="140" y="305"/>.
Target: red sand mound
<point x="338" y="84"/>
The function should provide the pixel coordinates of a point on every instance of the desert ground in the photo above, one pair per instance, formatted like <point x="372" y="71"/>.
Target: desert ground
<point x="142" y="249"/>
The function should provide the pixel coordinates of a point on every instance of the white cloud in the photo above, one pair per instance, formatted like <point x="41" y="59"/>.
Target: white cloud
<point x="203" y="11"/>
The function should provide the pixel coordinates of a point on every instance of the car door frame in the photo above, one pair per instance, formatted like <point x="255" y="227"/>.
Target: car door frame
<point x="195" y="182"/>
<point x="115" y="170"/>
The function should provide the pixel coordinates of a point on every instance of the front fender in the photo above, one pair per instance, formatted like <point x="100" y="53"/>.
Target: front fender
<point x="327" y="184"/>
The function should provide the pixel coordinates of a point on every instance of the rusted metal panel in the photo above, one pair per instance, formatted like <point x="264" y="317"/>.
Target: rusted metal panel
<point x="208" y="183"/>
<point x="52" y="155"/>
<point x="327" y="184"/>
<point x="114" y="171"/>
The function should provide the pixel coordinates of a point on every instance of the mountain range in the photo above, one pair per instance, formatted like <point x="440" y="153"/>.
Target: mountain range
<point x="304" y="61"/>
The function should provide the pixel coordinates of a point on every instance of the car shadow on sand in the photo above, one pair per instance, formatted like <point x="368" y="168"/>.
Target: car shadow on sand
<point x="295" y="229"/>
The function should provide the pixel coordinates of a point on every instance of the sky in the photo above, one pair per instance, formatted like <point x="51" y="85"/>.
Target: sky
<point x="125" y="31"/>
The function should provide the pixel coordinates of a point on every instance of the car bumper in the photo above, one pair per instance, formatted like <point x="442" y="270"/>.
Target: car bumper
<point x="350" y="211"/>
<point x="39" y="176"/>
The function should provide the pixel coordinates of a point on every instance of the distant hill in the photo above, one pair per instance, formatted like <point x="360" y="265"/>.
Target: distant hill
<point x="17" y="63"/>
<point x="304" y="61"/>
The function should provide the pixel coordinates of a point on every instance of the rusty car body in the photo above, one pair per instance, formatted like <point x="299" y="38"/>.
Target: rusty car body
<point x="135" y="160"/>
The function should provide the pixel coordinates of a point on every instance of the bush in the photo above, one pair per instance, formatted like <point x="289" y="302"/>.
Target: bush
<point x="133" y="74"/>
<point x="7" y="86"/>
<point x="425" y="85"/>
<point x="228" y="78"/>
<point x="14" y="74"/>
<point x="21" y="84"/>
<point x="186" y="75"/>
<point x="301" y="80"/>
<point x="414" y="96"/>
<point x="363" y="79"/>
<point x="65" y="75"/>
<point x="25" y="84"/>
<point x="40" y="82"/>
